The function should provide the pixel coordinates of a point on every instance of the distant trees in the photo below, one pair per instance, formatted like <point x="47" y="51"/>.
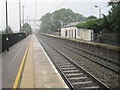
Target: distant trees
<point x="107" y="24"/>
<point x="65" y="16"/>
<point x="7" y="30"/>
<point x="26" y="28"/>
<point x="91" y="22"/>
<point x="91" y="17"/>
<point x="51" y="22"/>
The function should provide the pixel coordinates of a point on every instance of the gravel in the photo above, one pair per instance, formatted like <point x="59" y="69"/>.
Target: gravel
<point x="108" y="77"/>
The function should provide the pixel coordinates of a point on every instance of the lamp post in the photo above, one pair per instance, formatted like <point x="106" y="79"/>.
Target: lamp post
<point x="27" y="19"/>
<point x="23" y="13"/>
<point x="99" y="10"/>
<point x="7" y="39"/>
<point x="20" y="14"/>
<point x="6" y="19"/>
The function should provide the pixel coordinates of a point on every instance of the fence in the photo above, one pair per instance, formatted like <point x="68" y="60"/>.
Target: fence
<point x="7" y="40"/>
<point x="107" y="38"/>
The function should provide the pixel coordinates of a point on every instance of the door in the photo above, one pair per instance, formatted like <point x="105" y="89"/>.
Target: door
<point x="65" y="33"/>
<point x="75" y="33"/>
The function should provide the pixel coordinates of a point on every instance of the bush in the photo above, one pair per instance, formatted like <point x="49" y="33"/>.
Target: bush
<point x="89" y="24"/>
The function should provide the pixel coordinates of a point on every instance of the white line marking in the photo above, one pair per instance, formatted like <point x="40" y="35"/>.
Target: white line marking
<point x="52" y="65"/>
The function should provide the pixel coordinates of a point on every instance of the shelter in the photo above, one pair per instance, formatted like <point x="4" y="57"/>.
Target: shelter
<point x="71" y="31"/>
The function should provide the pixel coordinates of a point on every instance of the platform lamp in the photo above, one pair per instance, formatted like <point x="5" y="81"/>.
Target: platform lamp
<point x="99" y="10"/>
<point x="23" y="13"/>
<point x="20" y="14"/>
<point x="7" y="39"/>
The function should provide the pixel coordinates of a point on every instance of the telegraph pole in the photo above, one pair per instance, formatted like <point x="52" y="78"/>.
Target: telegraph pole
<point x="28" y="20"/>
<point x="35" y="9"/>
<point x="99" y="12"/>
<point x="35" y="13"/>
<point x="23" y="13"/>
<point x="6" y="19"/>
<point x="7" y="39"/>
<point x="20" y="14"/>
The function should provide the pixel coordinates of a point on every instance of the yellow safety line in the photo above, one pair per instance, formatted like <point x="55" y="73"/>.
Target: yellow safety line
<point x="20" y="69"/>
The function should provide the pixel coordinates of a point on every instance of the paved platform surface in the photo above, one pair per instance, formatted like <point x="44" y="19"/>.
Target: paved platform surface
<point x="0" y="71"/>
<point x="89" y="42"/>
<point x="39" y="71"/>
<point x="10" y="62"/>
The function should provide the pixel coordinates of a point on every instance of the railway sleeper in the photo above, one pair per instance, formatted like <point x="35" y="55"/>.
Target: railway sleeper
<point x="71" y="71"/>
<point x="74" y="74"/>
<point x="85" y="84"/>
<point x="64" y="66"/>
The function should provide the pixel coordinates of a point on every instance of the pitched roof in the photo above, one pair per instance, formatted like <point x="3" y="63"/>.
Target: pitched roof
<point x="71" y="24"/>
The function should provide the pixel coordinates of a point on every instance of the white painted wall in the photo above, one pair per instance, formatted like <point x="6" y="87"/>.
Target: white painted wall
<point x="63" y="32"/>
<point x="85" y="34"/>
<point x="68" y="32"/>
<point x="74" y="28"/>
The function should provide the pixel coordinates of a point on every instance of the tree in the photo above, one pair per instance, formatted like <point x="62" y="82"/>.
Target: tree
<point x="107" y="24"/>
<point x="114" y="16"/>
<point x="47" y="19"/>
<point x="66" y="16"/>
<point x="91" y="17"/>
<point x="54" y="21"/>
<point x="91" y="23"/>
<point x="26" y="28"/>
<point x="1" y="31"/>
<point x="7" y="30"/>
<point x="46" y="23"/>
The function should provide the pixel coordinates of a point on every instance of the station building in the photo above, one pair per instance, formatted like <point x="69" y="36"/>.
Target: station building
<point x="71" y="31"/>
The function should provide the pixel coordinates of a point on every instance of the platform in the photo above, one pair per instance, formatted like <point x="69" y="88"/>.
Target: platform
<point x="113" y="47"/>
<point x="39" y="71"/>
<point x="11" y="60"/>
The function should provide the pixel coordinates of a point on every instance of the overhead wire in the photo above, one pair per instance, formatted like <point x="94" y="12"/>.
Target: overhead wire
<point x="91" y="9"/>
<point x="86" y="12"/>
<point x="60" y="5"/>
<point x="94" y="10"/>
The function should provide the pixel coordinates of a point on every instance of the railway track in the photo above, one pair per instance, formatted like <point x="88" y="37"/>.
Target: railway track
<point x="76" y="46"/>
<point x="104" y="62"/>
<point x="74" y="75"/>
<point x="117" y="63"/>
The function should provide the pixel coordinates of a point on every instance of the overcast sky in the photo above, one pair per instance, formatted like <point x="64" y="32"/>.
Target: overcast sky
<point x="84" y="7"/>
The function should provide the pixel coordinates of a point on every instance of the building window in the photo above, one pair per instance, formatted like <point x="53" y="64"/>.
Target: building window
<point x="78" y="32"/>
